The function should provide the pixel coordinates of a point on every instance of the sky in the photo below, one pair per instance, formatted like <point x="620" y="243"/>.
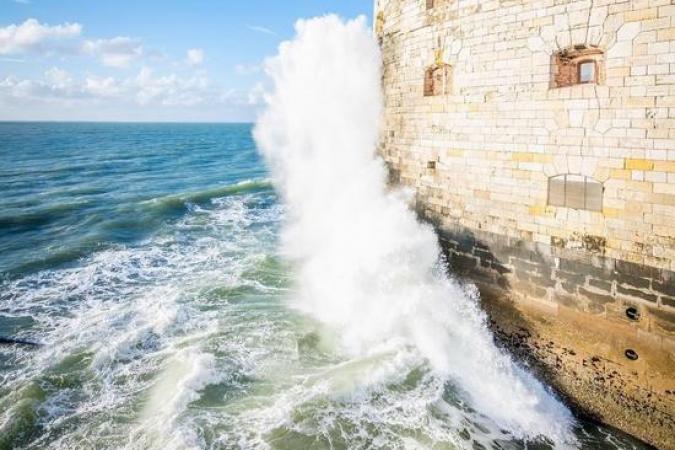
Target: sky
<point x="145" y="60"/>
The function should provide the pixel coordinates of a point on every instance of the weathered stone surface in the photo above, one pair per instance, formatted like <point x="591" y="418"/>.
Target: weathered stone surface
<point x="637" y="282"/>
<point x="668" y="301"/>
<point x="583" y="357"/>
<point x="571" y="278"/>
<point x="570" y="301"/>
<point x="463" y="263"/>
<point x="533" y="290"/>
<point x="597" y="298"/>
<point x="667" y="288"/>
<point x="637" y="294"/>
<point x="601" y="285"/>
<point x="584" y="268"/>
<point x="502" y="130"/>
<point x="627" y="268"/>
<point x="502" y="269"/>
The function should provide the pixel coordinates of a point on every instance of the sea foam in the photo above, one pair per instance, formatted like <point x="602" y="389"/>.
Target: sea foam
<point x="366" y="267"/>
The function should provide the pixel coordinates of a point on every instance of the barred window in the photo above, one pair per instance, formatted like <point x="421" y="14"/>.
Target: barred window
<point x="575" y="191"/>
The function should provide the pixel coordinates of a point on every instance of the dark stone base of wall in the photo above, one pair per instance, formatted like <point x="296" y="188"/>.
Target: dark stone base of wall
<point x="601" y="331"/>
<point x="592" y="284"/>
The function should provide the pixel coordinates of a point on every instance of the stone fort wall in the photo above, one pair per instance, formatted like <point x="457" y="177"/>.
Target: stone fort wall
<point x="483" y="153"/>
<point x="540" y="139"/>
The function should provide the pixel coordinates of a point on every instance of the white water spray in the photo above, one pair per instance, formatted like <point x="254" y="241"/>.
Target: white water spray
<point x="366" y="267"/>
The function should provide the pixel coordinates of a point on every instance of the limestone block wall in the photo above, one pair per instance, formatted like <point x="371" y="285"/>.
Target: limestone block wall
<point x="480" y="156"/>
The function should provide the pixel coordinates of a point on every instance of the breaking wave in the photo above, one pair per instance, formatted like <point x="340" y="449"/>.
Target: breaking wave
<point x="178" y="334"/>
<point x="366" y="267"/>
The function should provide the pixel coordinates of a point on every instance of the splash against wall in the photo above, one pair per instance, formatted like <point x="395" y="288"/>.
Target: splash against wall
<point x="365" y="266"/>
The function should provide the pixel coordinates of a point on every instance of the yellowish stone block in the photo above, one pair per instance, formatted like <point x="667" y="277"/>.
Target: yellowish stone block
<point x="639" y="164"/>
<point x="611" y="212"/>
<point x="640" y="14"/>
<point x="522" y="157"/>
<point x="541" y="210"/>
<point x="664" y="166"/>
<point x="620" y="174"/>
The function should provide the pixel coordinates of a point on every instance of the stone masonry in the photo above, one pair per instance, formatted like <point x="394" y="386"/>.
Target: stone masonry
<point x="543" y="103"/>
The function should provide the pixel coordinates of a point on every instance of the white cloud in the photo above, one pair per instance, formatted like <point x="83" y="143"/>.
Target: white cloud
<point x="22" y="2"/>
<point x="13" y="87"/>
<point x="184" y="94"/>
<point x="145" y="89"/>
<point x="171" y="90"/>
<point x="256" y="96"/>
<point x="116" y="52"/>
<point x="102" y="87"/>
<point x="58" y="78"/>
<point x="195" y="56"/>
<point x="57" y="84"/>
<point x="259" y="29"/>
<point x="34" y="36"/>
<point x="145" y="96"/>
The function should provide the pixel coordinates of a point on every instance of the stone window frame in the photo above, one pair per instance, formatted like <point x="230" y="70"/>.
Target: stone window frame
<point x="566" y="65"/>
<point x="565" y="199"/>
<point x="429" y="82"/>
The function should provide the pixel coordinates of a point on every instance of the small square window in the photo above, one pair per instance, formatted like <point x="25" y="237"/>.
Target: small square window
<point x="556" y="191"/>
<point x="587" y="72"/>
<point x="577" y="65"/>
<point x="438" y="80"/>
<point x="575" y="194"/>
<point x="593" y="197"/>
<point x="575" y="191"/>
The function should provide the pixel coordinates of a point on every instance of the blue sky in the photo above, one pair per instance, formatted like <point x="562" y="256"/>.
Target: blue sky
<point x="170" y="60"/>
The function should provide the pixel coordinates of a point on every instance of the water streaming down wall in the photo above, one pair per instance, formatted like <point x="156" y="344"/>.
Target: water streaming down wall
<point x="365" y="266"/>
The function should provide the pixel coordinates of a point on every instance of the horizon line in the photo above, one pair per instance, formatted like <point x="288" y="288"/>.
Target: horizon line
<point x="130" y="122"/>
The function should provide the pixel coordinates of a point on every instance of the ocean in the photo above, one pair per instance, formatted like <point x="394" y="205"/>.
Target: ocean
<point x="145" y="261"/>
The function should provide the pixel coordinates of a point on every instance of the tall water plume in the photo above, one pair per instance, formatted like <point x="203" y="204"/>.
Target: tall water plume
<point x="366" y="267"/>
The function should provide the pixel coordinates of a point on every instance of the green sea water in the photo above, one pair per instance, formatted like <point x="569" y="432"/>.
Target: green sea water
<point x="143" y="259"/>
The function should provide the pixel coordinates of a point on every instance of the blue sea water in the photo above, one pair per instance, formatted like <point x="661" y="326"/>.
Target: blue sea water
<point x="143" y="259"/>
<point x="72" y="188"/>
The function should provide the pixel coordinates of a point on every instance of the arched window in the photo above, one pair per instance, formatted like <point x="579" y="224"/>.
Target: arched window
<point x="575" y="191"/>
<point x="577" y="65"/>
<point x="438" y="80"/>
